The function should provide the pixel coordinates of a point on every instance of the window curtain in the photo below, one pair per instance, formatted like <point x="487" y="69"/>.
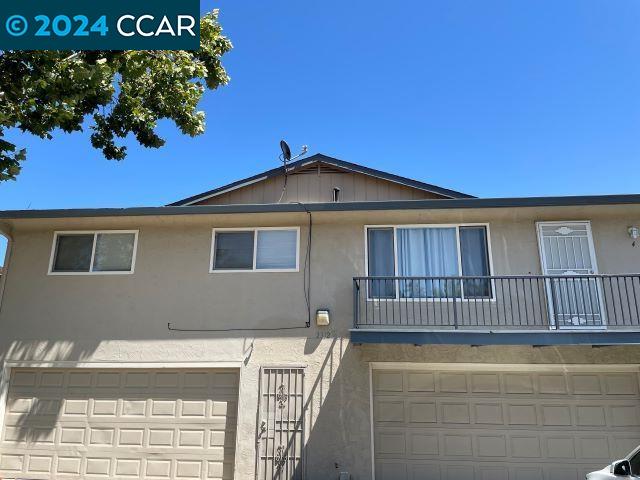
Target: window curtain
<point x="277" y="249"/>
<point x="428" y="252"/>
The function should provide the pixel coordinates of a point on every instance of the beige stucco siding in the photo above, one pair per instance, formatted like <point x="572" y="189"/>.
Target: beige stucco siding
<point x="172" y="283"/>
<point x="123" y="318"/>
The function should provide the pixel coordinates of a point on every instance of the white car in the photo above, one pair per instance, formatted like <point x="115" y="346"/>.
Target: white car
<point x="628" y="467"/>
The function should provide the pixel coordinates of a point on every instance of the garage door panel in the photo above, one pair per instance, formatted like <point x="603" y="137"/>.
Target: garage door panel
<point x="525" y="446"/>
<point x="562" y="473"/>
<point x="133" y="437"/>
<point x="595" y="447"/>
<point x="502" y="424"/>
<point x="420" y="382"/>
<point x="95" y="468"/>
<point x="455" y="472"/>
<point x="452" y="382"/>
<point x="510" y="383"/>
<point x="423" y="444"/>
<point x="38" y="464"/>
<point x="514" y="445"/>
<point x="556" y="413"/>
<point x="22" y="406"/>
<point x="623" y="444"/>
<point x="389" y="382"/>
<point x="455" y="412"/>
<point x="468" y="470"/>
<point x="528" y="473"/>
<point x="424" y="471"/>
<point x="120" y="424"/>
<point x="621" y="384"/>
<point x="493" y="473"/>
<point x="485" y="383"/>
<point x="491" y="446"/>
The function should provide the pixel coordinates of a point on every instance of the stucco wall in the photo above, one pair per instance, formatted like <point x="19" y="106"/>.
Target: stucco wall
<point x="124" y="318"/>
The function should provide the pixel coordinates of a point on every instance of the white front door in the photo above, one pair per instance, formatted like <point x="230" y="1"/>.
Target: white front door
<point x="566" y="250"/>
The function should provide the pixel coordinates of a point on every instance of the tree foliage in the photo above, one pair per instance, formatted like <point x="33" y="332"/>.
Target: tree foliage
<point x="123" y="92"/>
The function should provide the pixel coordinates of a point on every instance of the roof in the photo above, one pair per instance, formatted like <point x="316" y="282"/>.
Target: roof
<point x="432" y="204"/>
<point x="320" y="158"/>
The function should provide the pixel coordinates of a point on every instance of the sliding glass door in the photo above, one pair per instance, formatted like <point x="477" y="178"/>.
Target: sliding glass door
<point x="425" y="258"/>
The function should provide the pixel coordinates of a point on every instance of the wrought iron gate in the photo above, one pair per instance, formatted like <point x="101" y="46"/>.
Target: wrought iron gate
<point x="281" y="424"/>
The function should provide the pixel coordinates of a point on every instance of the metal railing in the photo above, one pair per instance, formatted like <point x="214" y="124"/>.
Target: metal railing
<point x="498" y="302"/>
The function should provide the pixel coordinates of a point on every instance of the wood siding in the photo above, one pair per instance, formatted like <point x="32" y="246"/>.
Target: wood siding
<point x="312" y="187"/>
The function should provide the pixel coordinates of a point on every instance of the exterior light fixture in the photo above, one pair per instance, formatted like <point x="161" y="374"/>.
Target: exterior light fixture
<point x="634" y="233"/>
<point x="322" y="318"/>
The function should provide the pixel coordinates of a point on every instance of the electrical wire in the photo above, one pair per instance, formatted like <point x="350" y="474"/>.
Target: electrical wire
<point x="306" y="286"/>
<point x="201" y="330"/>
<point x="286" y="176"/>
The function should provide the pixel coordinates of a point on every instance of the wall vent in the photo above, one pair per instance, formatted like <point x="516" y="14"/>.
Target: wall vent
<point x="318" y="168"/>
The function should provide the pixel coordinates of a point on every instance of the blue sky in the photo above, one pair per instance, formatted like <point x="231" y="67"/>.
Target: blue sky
<point x="493" y="98"/>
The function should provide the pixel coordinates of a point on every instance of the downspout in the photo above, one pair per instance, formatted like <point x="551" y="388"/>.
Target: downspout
<point x="4" y="269"/>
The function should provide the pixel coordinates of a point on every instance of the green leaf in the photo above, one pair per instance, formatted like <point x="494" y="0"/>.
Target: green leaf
<point x="124" y="92"/>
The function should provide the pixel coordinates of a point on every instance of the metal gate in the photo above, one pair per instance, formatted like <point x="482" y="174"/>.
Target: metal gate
<point x="567" y="253"/>
<point x="281" y="424"/>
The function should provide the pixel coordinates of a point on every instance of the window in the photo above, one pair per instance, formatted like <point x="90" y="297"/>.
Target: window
<point x="259" y="249"/>
<point x="4" y="247"/>
<point x="381" y="262"/>
<point x="635" y="464"/>
<point x="102" y="252"/>
<point x="426" y="257"/>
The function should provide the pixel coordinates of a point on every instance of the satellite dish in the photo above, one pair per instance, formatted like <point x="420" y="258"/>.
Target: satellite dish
<point x="286" y="151"/>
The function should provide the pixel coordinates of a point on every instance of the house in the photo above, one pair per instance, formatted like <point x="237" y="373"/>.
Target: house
<point x="322" y="321"/>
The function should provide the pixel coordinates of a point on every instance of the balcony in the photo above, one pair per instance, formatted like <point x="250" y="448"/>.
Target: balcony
<point x="498" y="310"/>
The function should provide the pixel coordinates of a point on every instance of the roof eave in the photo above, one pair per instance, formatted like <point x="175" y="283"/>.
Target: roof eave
<point x="434" y="204"/>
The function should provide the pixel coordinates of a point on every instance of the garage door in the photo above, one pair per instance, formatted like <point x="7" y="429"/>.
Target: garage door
<point x="553" y="424"/>
<point x="119" y="424"/>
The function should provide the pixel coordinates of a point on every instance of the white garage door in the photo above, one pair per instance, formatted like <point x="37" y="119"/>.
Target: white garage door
<point x="483" y="424"/>
<point x="108" y="424"/>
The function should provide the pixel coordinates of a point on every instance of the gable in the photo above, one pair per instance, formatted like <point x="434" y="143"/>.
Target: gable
<point x="314" y="179"/>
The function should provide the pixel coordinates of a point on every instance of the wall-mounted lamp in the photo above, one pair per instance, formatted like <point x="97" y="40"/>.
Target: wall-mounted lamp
<point x="322" y="318"/>
<point x="634" y="233"/>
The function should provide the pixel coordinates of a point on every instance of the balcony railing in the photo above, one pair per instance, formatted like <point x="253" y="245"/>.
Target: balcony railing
<point x="528" y="302"/>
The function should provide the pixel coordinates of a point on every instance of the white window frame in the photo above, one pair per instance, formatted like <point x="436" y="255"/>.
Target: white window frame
<point x="457" y="226"/>
<point x="95" y="234"/>
<point x="255" y="231"/>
